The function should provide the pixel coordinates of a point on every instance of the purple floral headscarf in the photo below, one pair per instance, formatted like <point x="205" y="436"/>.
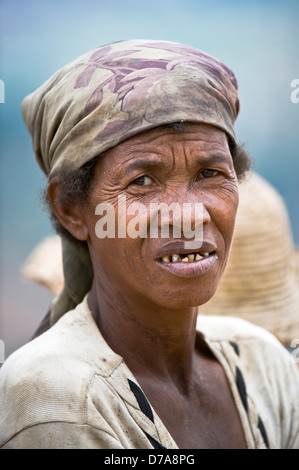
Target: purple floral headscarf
<point x="121" y="89"/>
<point x="110" y="94"/>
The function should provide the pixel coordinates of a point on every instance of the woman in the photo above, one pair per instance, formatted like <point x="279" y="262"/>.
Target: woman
<point x="124" y="364"/>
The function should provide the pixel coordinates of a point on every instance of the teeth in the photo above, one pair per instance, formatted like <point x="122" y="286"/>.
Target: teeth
<point x="186" y="259"/>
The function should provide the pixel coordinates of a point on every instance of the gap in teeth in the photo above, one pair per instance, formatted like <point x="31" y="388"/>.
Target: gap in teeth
<point x="186" y="258"/>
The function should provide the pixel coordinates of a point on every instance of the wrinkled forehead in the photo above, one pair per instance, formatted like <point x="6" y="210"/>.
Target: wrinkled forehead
<point x="198" y="135"/>
<point x="177" y="146"/>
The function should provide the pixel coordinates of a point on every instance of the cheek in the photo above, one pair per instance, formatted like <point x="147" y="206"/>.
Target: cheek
<point x="224" y="208"/>
<point x="114" y="260"/>
<point x="113" y="249"/>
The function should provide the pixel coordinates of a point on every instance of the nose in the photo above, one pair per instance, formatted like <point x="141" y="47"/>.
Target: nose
<point x="190" y="205"/>
<point x="186" y="216"/>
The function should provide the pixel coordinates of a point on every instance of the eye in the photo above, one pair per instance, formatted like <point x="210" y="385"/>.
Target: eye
<point x="208" y="173"/>
<point x="143" y="181"/>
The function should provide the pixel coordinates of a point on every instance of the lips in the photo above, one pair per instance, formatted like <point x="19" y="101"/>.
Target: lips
<point x="185" y="258"/>
<point x="175" y="258"/>
<point x="176" y="248"/>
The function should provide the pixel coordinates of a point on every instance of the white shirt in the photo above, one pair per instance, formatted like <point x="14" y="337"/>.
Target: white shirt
<point x="68" y="389"/>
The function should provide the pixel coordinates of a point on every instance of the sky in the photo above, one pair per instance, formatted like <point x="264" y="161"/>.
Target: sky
<point x="258" y="40"/>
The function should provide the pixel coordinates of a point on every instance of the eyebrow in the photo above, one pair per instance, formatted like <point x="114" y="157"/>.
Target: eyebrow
<point x="213" y="159"/>
<point x="148" y="164"/>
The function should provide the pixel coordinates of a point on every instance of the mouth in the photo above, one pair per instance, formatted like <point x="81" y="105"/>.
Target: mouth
<point x="186" y="263"/>
<point x="186" y="258"/>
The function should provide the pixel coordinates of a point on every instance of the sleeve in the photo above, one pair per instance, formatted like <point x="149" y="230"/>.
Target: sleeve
<point x="62" y="435"/>
<point x="290" y="399"/>
<point x="272" y="377"/>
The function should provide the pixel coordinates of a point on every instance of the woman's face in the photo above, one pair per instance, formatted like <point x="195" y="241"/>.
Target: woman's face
<point x="163" y="166"/>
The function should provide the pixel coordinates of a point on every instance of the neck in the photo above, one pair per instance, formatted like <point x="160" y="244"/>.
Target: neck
<point x="154" y="341"/>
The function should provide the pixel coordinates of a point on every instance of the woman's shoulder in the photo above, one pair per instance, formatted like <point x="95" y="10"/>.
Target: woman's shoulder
<point x="70" y="349"/>
<point x="41" y="381"/>
<point x="42" y="358"/>
<point x="47" y="379"/>
<point x="262" y="356"/>
<point x="270" y="377"/>
<point x="222" y="328"/>
<point x="47" y="354"/>
<point x="259" y="350"/>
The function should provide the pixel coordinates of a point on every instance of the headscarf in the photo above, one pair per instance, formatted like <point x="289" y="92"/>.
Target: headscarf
<point x="110" y="94"/>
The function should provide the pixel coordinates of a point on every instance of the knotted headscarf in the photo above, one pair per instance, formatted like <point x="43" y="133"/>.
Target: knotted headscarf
<point x="110" y="94"/>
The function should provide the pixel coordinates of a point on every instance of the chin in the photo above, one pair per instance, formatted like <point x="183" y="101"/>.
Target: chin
<point x="181" y="299"/>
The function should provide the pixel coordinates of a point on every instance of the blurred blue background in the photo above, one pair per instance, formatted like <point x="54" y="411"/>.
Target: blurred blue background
<point x="259" y="40"/>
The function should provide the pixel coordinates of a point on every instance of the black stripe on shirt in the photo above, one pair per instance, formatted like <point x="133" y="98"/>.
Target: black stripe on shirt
<point x="155" y="444"/>
<point x="145" y="407"/>
<point x="262" y="428"/>
<point x="235" y="347"/>
<point x="243" y="394"/>
<point x="142" y="400"/>
<point x="241" y="387"/>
